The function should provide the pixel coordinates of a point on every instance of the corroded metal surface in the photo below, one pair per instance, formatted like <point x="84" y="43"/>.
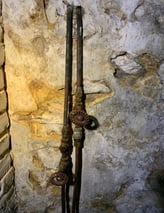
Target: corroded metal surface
<point x="79" y="117"/>
<point x="59" y="179"/>
<point x="64" y="177"/>
<point x="65" y="165"/>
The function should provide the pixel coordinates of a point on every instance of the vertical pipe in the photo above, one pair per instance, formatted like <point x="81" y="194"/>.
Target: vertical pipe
<point x="63" y="198"/>
<point x="67" y="130"/>
<point x="79" y="46"/>
<point x="67" y="197"/>
<point x="79" y="105"/>
<point x="78" y="171"/>
<point x="68" y="65"/>
<point x="68" y="89"/>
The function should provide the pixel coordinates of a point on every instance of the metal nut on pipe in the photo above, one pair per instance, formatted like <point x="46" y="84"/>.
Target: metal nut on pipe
<point x="78" y="133"/>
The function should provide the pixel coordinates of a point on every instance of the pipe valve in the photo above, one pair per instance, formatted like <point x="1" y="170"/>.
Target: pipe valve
<point x="59" y="179"/>
<point x="79" y="118"/>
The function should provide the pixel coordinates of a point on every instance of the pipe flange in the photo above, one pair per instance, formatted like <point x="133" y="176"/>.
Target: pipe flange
<point x="79" y="118"/>
<point x="59" y="179"/>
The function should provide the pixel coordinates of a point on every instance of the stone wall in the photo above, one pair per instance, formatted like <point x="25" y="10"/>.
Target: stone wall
<point x="7" y="192"/>
<point x="123" y="79"/>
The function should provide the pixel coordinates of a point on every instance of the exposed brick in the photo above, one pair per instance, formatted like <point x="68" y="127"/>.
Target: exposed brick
<point x="11" y="203"/>
<point x="4" y="144"/>
<point x="3" y="101"/>
<point x="1" y="34"/>
<point x="1" y="79"/>
<point x="4" y="122"/>
<point x="4" y="200"/>
<point x="6" y="182"/>
<point x="2" y="54"/>
<point x="5" y="164"/>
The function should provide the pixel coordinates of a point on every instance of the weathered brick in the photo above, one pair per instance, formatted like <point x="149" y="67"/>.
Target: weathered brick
<point x="4" y="200"/>
<point x="4" y="144"/>
<point x="1" y="34"/>
<point x="6" y="182"/>
<point x="2" y="54"/>
<point x="5" y="164"/>
<point x="1" y="79"/>
<point x="3" y="101"/>
<point x="4" y="122"/>
<point x="11" y="203"/>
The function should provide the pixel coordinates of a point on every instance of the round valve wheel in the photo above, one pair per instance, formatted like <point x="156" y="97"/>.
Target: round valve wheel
<point x="80" y="118"/>
<point x="59" y="179"/>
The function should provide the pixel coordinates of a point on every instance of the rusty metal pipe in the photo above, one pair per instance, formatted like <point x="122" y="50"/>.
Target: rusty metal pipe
<point x="66" y="150"/>
<point x="68" y="67"/>
<point x="79" y="107"/>
<point x="64" y="176"/>
<point x="63" y="195"/>
<point x="79" y="46"/>
<point x="78" y="174"/>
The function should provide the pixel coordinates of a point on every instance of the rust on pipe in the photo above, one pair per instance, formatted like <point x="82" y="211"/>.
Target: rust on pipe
<point x="77" y="115"/>
<point x="64" y="176"/>
<point x="65" y="165"/>
<point x="68" y="67"/>
<point x="79" y="46"/>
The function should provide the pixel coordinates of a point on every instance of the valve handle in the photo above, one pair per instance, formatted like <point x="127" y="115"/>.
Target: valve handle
<point x="79" y="118"/>
<point x="59" y="179"/>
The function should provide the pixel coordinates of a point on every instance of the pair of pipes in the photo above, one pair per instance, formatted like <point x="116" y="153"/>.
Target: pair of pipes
<point x="72" y="114"/>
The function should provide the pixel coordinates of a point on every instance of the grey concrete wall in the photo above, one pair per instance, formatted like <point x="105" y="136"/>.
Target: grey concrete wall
<point x="7" y="189"/>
